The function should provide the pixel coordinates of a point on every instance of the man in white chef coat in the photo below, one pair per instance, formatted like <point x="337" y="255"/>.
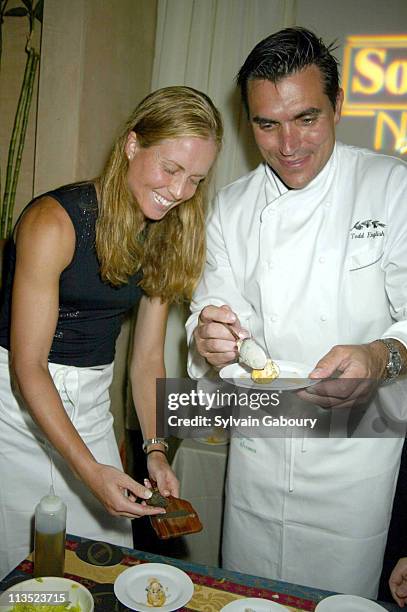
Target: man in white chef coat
<point x="308" y="253"/>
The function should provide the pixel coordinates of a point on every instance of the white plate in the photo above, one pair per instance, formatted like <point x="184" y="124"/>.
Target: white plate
<point x="215" y="436"/>
<point x="130" y="586"/>
<point x="77" y="593"/>
<point x="293" y="376"/>
<point x="253" y="603"/>
<point x="211" y="442"/>
<point x="339" y="603"/>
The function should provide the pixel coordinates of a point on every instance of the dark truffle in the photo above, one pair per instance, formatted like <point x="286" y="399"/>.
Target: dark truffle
<point x="157" y="500"/>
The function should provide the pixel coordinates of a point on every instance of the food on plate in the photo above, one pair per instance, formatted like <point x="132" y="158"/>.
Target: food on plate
<point x="269" y="373"/>
<point x="28" y="607"/>
<point x="214" y="439"/>
<point x="155" y="593"/>
<point x="217" y="436"/>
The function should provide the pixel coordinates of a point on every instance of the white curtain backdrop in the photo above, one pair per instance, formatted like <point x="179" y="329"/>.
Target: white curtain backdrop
<point x="202" y="44"/>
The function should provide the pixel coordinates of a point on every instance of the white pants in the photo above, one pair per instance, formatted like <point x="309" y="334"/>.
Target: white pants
<point x="25" y="465"/>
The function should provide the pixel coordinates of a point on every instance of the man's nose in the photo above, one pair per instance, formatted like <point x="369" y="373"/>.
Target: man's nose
<point x="289" y="140"/>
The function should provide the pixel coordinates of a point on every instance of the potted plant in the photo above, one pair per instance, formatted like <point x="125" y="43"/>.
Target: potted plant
<point x="32" y="12"/>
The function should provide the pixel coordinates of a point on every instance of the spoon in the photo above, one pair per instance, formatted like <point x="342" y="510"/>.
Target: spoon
<point x="250" y="353"/>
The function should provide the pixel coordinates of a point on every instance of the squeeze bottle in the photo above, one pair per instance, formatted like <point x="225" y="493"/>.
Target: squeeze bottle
<point x="49" y="538"/>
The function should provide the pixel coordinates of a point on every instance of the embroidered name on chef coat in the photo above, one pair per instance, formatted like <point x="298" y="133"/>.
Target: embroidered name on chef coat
<point x="371" y="228"/>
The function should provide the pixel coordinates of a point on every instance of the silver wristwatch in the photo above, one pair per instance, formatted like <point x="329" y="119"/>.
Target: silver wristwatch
<point x="394" y="360"/>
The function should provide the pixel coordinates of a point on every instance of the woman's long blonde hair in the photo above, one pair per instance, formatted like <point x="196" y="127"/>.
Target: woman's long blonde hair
<point x="170" y="251"/>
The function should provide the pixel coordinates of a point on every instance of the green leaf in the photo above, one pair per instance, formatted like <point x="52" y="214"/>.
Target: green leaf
<point x="38" y="10"/>
<point x="3" y="5"/>
<point x="16" y="12"/>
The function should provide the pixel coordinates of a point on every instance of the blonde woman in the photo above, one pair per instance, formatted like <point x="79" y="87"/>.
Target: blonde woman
<point x="82" y="256"/>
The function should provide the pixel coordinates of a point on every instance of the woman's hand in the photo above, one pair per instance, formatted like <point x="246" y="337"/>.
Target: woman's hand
<point x="147" y="366"/>
<point x="160" y="471"/>
<point x="398" y="582"/>
<point x="110" y="485"/>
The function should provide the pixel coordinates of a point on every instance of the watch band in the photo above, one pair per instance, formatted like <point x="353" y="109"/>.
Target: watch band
<point x="151" y="441"/>
<point x="394" y="360"/>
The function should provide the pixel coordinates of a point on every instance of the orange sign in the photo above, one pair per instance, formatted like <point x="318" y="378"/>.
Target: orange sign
<point x="375" y="85"/>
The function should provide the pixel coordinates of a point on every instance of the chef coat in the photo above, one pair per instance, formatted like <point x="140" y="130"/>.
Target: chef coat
<point x="305" y="270"/>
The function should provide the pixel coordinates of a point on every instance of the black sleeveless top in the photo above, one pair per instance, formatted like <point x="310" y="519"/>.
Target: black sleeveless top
<point x="90" y="311"/>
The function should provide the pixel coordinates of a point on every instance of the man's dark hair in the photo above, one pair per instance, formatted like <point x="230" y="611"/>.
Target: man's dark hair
<point x="286" y="52"/>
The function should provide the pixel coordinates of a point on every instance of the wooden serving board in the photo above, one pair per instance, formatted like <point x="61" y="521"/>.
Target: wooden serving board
<point x="181" y="519"/>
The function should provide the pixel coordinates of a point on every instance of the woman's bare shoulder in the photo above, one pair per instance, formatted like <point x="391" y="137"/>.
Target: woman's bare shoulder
<point x="45" y="211"/>
<point x="46" y="225"/>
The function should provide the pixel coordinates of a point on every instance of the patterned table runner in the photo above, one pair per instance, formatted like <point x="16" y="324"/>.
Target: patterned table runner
<point x="97" y="564"/>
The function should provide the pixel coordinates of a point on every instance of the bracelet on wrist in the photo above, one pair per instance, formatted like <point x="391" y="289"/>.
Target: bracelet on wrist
<point x="152" y="441"/>
<point x="155" y="450"/>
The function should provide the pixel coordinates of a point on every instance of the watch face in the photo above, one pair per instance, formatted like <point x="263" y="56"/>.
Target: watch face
<point x="394" y="365"/>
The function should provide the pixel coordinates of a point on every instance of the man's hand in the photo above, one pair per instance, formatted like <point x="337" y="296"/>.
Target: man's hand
<point x="352" y="373"/>
<point x="215" y="335"/>
<point x="398" y="582"/>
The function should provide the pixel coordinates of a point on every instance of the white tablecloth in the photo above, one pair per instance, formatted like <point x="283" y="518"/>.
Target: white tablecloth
<point x="201" y="471"/>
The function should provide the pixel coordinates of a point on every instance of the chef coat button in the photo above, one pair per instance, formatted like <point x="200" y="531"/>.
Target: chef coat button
<point x="327" y="204"/>
<point x="271" y="265"/>
<point x="323" y="317"/>
<point x="322" y="259"/>
<point x="274" y="318"/>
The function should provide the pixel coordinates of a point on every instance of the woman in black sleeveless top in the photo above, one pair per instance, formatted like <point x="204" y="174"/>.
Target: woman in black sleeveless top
<point x="83" y="256"/>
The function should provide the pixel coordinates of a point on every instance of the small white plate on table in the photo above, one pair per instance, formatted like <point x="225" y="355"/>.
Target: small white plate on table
<point x="215" y="436"/>
<point x="351" y="603"/>
<point x="292" y="376"/>
<point x="48" y="590"/>
<point x="130" y="587"/>
<point x="253" y="604"/>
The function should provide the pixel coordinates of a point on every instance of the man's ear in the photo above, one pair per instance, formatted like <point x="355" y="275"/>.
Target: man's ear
<point x="131" y="146"/>
<point x="338" y="105"/>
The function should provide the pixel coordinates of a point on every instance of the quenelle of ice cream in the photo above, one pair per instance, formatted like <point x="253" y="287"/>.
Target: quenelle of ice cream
<point x="251" y="353"/>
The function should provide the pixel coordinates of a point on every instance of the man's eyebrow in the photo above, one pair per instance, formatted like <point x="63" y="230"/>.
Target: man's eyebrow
<point x="308" y="111"/>
<point x="261" y="120"/>
<point x="313" y="111"/>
